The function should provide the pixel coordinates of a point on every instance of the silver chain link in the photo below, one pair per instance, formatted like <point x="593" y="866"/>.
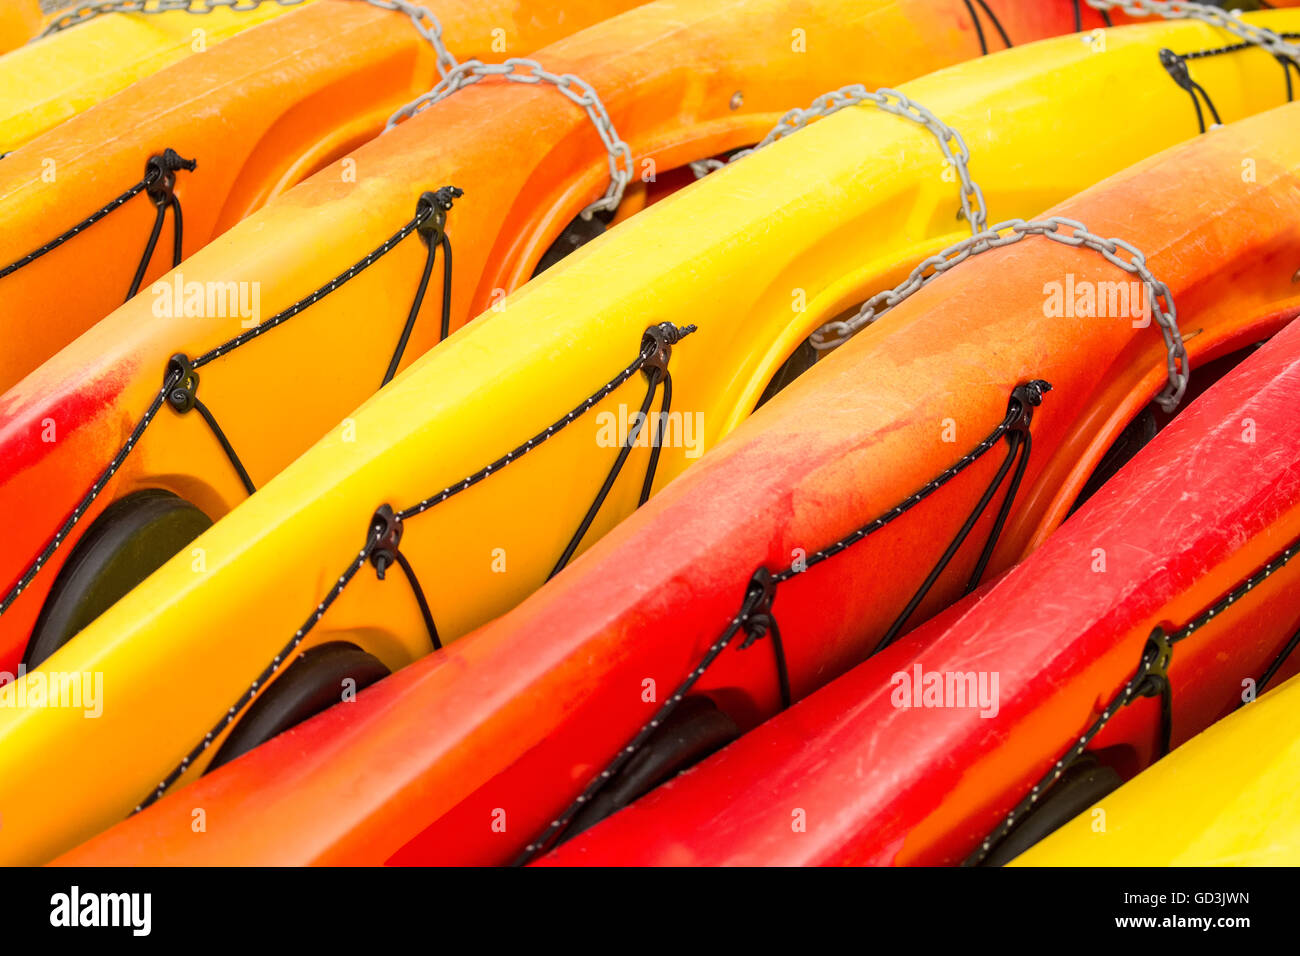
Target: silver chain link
<point x="89" y="11"/>
<point x="455" y="75"/>
<point x="1223" y="19"/>
<point x="426" y="24"/>
<point x="578" y="90"/>
<point x="891" y="101"/>
<point x="834" y="334"/>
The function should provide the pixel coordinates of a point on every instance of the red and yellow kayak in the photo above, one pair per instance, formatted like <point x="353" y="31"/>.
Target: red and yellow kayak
<point x="84" y="54"/>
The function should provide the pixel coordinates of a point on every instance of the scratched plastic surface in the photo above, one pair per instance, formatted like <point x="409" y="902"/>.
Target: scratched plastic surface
<point x="669" y="74"/>
<point x="1213" y="497"/>
<point x="519" y="715"/>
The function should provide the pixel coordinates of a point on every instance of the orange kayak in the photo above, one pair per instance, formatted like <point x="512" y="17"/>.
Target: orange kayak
<point x="250" y="118"/>
<point x="865" y="469"/>
<point x="20" y="20"/>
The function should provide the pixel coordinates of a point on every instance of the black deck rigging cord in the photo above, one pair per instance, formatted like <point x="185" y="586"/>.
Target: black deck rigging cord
<point x="979" y="29"/>
<point x="1019" y="445"/>
<point x="385" y="530"/>
<point x="183" y="396"/>
<point x="1149" y="680"/>
<point x="1176" y="65"/>
<point x="434" y="233"/>
<point x="159" y="183"/>
<point x="180" y="381"/>
<point x="756" y="618"/>
<point x="661" y="338"/>
<point x="1078" y="16"/>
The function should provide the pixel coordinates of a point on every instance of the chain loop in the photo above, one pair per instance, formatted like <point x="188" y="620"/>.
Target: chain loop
<point x="1161" y="302"/>
<point x="576" y="89"/>
<point x="1214" y="16"/>
<point x="951" y="143"/>
<point x="89" y="11"/>
<point x="428" y="26"/>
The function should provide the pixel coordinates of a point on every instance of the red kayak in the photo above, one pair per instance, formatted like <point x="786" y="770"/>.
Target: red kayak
<point x="863" y="471"/>
<point x="1192" y="538"/>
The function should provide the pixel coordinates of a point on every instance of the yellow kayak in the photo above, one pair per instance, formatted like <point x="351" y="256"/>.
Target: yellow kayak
<point x="1227" y="797"/>
<point x="496" y="444"/>
<point x="68" y="71"/>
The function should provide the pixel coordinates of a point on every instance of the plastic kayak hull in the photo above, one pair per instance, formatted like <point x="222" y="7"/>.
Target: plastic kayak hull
<point x="859" y="773"/>
<point x="519" y="716"/>
<point x="277" y="104"/>
<point x="525" y="176"/>
<point x="20" y="20"/>
<point x="47" y="82"/>
<point x="1225" y="798"/>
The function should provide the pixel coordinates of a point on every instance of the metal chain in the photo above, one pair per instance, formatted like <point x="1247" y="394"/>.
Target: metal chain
<point x="834" y="334"/>
<point x="951" y="142"/>
<point x="423" y="19"/>
<point x="521" y="70"/>
<point x="1214" y="16"/>
<point x="428" y="25"/>
<point x="89" y="11"/>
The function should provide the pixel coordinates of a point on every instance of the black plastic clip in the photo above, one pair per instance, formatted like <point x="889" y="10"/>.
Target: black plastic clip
<point x="388" y="527"/>
<point x="1177" y="68"/>
<point x="165" y="165"/>
<point x="1027" y="397"/>
<point x="663" y="337"/>
<point x="183" y="394"/>
<point x="759" y="621"/>
<point x="438" y="203"/>
<point x="758" y="606"/>
<point x="1156" y="657"/>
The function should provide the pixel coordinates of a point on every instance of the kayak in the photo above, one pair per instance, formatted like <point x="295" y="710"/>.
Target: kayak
<point x="278" y="104"/>
<point x="1224" y="798"/>
<point x="69" y="70"/>
<point x="20" y="20"/>
<point x="1180" y="540"/>
<point x="504" y="728"/>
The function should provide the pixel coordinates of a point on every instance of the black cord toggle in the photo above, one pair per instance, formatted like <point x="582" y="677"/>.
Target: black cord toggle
<point x="759" y="621"/>
<point x="757" y="610"/>
<point x="433" y="207"/>
<point x="183" y="393"/>
<point x="388" y="528"/>
<point x="160" y="174"/>
<point x="1176" y="66"/>
<point x="386" y="532"/>
<point x="662" y="337"/>
<point x="1027" y="397"/>
<point x="160" y="186"/>
<point x="1156" y="656"/>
